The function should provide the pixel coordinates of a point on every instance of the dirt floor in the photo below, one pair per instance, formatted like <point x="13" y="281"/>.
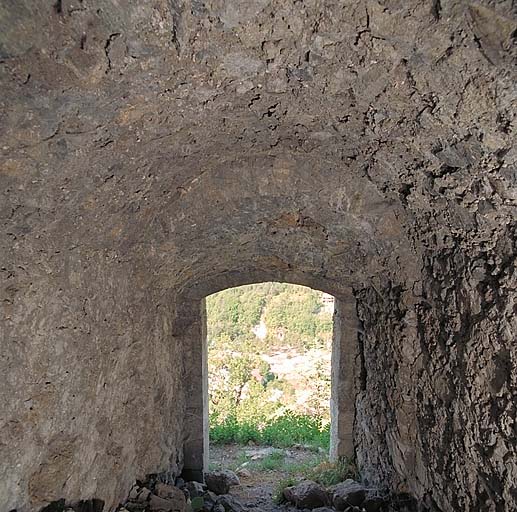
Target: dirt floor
<point x="264" y="468"/>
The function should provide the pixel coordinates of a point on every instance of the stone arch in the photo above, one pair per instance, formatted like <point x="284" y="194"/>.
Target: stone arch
<point x="218" y="282"/>
<point x="190" y="326"/>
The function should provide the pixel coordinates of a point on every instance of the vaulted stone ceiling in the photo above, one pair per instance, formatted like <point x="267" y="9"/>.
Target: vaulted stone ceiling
<point x="152" y="148"/>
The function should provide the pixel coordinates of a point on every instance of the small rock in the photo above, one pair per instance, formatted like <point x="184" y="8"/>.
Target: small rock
<point x="348" y="494"/>
<point x="261" y="453"/>
<point x="169" y="492"/>
<point x="210" y="496"/>
<point x="306" y="494"/>
<point x="180" y="483"/>
<point x="230" y="503"/>
<point x="209" y="499"/>
<point x="232" y="477"/>
<point x="218" y="508"/>
<point x="243" y="473"/>
<point x="139" y="494"/>
<point x="195" y="489"/>
<point x="158" y="504"/>
<point x="133" y="493"/>
<point x="219" y="481"/>
<point x="323" y="509"/>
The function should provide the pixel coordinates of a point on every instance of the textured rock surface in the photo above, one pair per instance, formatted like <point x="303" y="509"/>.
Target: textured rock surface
<point x="173" y="495"/>
<point x="220" y="480"/>
<point x="348" y="494"/>
<point x="195" y="489"/>
<point x="307" y="495"/>
<point x="230" y="503"/>
<point x="159" y="151"/>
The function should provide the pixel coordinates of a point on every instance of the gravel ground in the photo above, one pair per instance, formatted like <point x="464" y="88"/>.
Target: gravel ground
<point x="257" y="489"/>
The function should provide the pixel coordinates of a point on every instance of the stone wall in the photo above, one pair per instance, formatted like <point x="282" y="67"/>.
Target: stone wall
<point x="166" y="148"/>
<point x="344" y="378"/>
<point x="436" y="411"/>
<point x="192" y="330"/>
<point x="87" y="391"/>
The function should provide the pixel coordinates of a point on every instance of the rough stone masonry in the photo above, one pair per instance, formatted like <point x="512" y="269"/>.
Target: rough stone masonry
<point x="152" y="151"/>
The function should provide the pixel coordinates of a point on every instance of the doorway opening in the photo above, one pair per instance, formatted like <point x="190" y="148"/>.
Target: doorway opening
<point x="269" y="385"/>
<point x="269" y="367"/>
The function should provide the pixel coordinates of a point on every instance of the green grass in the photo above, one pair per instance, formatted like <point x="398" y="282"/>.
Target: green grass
<point x="330" y="473"/>
<point x="232" y="431"/>
<point x="240" y="460"/>
<point x="281" y="432"/>
<point x="272" y="462"/>
<point x="303" y="468"/>
<point x="318" y="469"/>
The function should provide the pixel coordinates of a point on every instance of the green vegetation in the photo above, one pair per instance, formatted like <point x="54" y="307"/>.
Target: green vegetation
<point x="330" y="473"/>
<point x="196" y="504"/>
<point x="248" y="402"/>
<point x="271" y="462"/>
<point x="281" y="432"/>
<point x="319" y="470"/>
<point x="292" y="314"/>
<point x="295" y="316"/>
<point x="233" y="313"/>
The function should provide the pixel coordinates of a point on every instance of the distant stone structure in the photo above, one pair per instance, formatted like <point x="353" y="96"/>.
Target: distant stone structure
<point x="152" y="153"/>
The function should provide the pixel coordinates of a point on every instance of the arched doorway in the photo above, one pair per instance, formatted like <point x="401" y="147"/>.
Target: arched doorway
<point x="191" y="327"/>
